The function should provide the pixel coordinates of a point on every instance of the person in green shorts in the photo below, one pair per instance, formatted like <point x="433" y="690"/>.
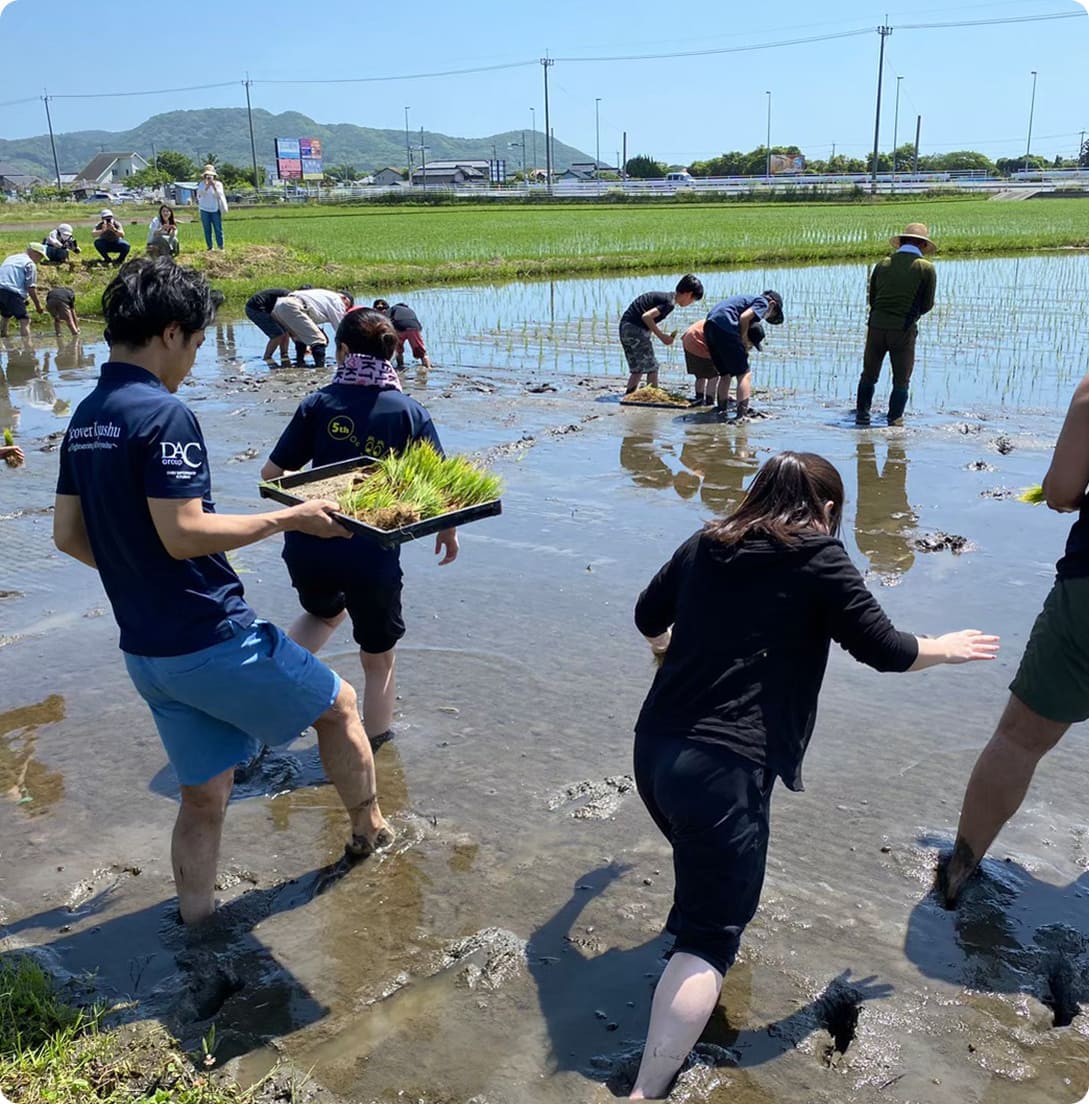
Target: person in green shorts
<point x="1050" y="691"/>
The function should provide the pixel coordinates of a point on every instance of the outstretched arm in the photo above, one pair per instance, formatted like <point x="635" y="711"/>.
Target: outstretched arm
<point x="1068" y="475"/>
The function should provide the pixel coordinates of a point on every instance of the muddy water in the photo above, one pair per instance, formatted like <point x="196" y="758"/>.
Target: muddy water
<point x="507" y="949"/>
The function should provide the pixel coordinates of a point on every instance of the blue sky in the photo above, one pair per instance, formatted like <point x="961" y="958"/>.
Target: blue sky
<point x="972" y="85"/>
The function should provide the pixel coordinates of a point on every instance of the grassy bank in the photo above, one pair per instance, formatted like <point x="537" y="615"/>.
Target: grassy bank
<point x="53" y="1053"/>
<point x="380" y="250"/>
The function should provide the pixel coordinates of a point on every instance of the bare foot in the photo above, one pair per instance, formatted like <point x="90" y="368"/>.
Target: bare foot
<point x="954" y="871"/>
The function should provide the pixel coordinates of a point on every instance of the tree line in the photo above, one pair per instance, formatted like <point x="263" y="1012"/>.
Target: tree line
<point x="754" y="163"/>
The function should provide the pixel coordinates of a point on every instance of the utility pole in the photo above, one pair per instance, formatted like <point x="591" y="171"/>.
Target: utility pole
<point x="597" y="135"/>
<point x="1032" y="108"/>
<point x="533" y="133"/>
<point x="918" y="130"/>
<point x="1081" y="150"/>
<point x="253" y="145"/>
<point x="624" y="163"/>
<point x="423" y="161"/>
<point x="767" y="146"/>
<point x="895" y="127"/>
<point x="546" y="64"/>
<point x="408" y="148"/>
<point x="52" y="141"/>
<point x="884" y="31"/>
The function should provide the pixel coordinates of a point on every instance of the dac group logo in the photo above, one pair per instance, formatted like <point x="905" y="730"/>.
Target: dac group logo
<point x="341" y="429"/>
<point x="175" y="454"/>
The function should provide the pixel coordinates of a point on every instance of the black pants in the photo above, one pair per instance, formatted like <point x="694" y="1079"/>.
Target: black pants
<point x="713" y="806"/>
<point x="900" y="346"/>
<point x="728" y="352"/>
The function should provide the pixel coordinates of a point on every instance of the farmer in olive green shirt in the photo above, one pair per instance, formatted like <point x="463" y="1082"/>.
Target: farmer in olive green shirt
<point x="901" y="291"/>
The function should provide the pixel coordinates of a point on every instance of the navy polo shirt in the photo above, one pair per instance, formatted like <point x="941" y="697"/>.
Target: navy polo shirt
<point x="341" y="422"/>
<point x="727" y="314"/>
<point x="128" y="441"/>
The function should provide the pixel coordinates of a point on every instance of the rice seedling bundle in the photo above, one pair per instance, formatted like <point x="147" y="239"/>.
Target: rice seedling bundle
<point x="1033" y="495"/>
<point x="9" y="440"/>
<point x="417" y="485"/>
<point x="656" y="395"/>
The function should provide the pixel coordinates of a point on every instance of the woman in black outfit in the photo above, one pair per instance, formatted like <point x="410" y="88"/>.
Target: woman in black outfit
<point x="742" y="617"/>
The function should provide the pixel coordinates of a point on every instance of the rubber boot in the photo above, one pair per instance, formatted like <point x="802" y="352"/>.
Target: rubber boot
<point x="863" y="403"/>
<point x="300" y="354"/>
<point x="898" y="400"/>
<point x="319" y="355"/>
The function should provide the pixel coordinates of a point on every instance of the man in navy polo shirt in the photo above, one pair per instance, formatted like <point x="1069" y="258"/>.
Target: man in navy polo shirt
<point x="134" y="502"/>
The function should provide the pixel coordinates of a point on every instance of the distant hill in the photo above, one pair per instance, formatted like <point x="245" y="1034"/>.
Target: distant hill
<point x="225" y="132"/>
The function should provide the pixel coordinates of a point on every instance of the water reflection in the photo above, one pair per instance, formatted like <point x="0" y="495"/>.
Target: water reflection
<point x="23" y="779"/>
<point x="713" y="466"/>
<point x="884" y="519"/>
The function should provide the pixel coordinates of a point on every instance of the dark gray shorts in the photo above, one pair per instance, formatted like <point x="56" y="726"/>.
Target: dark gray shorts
<point x="1053" y="678"/>
<point x="638" y="345"/>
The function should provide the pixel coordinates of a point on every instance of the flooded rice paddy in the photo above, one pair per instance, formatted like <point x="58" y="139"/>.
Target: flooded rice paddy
<point x="507" y="948"/>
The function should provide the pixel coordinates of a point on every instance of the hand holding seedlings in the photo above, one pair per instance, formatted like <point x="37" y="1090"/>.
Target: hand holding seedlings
<point x="10" y="451"/>
<point x="317" y="518"/>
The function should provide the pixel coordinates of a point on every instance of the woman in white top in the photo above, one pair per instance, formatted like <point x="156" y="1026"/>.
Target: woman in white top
<point x="213" y="205"/>
<point x="162" y="234"/>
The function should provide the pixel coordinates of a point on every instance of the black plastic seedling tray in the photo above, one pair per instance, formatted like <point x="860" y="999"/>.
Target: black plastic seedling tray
<point x="658" y="405"/>
<point x="279" y="490"/>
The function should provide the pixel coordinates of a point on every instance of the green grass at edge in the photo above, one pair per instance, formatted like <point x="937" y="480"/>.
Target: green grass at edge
<point x="53" y="1053"/>
<point x="381" y="251"/>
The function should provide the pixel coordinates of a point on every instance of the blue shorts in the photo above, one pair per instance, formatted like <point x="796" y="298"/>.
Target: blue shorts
<point x="216" y="707"/>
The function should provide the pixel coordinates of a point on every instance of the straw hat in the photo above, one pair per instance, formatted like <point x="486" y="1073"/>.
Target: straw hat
<point x="918" y="230"/>
<point x="209" y="170"/>
<point x="36" y="247"/>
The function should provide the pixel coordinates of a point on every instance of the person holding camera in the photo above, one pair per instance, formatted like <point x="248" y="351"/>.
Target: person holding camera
<point x="110" y="237"/>
<point x="213" y="206"/>
<point x="162" y="234"/>
<point x="60" y="243"/>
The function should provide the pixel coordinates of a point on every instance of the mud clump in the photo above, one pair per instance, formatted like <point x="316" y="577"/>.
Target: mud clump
<point x="602" y="797"/>
<point x="837" y="1012"/>
<point x="979" y="466"/>
<point x="1003" y="445"/>
<point x="492" y="956"/>
<point x="943" y="542"/>
<point x="1063" y="989"/>
<point x="702" y="1073"/>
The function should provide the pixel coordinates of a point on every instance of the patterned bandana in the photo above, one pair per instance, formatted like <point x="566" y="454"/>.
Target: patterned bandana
<point x="367" y="371"/>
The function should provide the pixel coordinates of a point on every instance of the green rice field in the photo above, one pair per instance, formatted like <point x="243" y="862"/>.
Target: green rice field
<point x="420" y="246"/>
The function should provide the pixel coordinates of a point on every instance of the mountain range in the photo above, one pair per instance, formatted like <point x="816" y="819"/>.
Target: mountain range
<point x="224" y="131"/>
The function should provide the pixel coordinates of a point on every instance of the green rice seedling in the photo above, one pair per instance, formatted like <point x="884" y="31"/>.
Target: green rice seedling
<point x="417" y="485"/>
<point x="9" y="440"/>
<point x="1033" y="495"/>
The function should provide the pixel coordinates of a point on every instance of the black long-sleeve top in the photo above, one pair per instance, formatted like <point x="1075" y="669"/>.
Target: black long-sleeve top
<point x="752" y="624"/>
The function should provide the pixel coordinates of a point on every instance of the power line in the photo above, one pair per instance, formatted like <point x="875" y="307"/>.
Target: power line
<point x="149" y="92"/>
<point x="406" y="76"/>
<point x="724" y="49"/>
<point x="12" y="103"/>
<point x="990" y="22"/>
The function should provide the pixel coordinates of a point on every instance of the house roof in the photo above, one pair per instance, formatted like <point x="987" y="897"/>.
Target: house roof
<point x="104" y="161"/>
<point x="481" y="166"/>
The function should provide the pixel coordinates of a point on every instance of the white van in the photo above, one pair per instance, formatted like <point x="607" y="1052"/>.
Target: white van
<point x="679" y="178"/>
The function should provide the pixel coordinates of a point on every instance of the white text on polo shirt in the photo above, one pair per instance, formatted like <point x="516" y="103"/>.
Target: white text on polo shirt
<point x="174" y="454"/>
<point x="97" y="435"/>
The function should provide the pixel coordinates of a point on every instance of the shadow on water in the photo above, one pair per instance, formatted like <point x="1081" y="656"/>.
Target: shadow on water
<point x="187" y="978"/>
<point x="23" y="778"/>
<point x="711" y="465"/>
<point x="219" y="971"/>
<point x="1010" y="933"/>
<point x="620" y="984"/>
<point x="884" y="519"/>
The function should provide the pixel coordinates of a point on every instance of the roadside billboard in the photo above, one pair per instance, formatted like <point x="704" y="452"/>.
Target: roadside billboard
<point x="787" y="163"/>
<point x="299" y="159"/>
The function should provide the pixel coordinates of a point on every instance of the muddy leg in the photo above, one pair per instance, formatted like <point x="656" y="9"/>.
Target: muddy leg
<point x="379" y="690"/>
<point x="346" y="756"/>
<point x="997" y="787"/>
<point x="683" y="1002"/>
<point x="194" y="849"/>
<point x="633" y="382"/>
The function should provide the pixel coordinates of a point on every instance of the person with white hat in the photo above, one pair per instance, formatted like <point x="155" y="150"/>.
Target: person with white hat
<point x="213" y="206"/>
<point x="18" y="283"/>
<point x="110" y="237"/>
<point x="59" y="243"/>
<point x="901" y="291"/>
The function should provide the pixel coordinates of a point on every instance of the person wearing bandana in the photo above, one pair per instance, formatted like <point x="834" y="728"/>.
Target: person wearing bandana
<point x="362" y="412"/>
